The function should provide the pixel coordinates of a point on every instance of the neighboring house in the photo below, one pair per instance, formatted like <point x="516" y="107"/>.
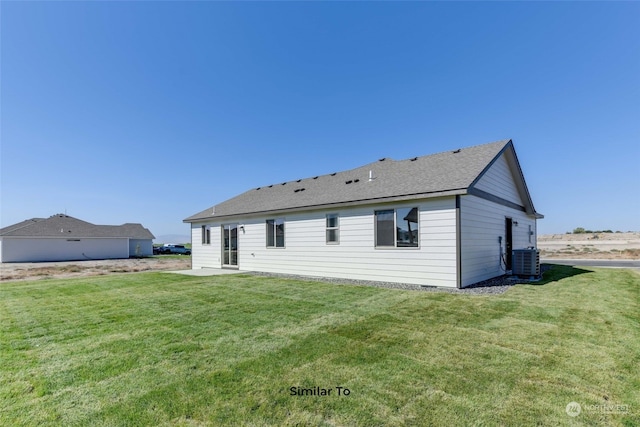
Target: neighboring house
<point x="449" y="219"/>
<point x="64" y="238"/>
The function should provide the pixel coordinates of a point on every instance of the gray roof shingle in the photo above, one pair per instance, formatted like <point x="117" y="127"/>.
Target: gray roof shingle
<point x="446" y="173"/>
<point x="61" y="225"/>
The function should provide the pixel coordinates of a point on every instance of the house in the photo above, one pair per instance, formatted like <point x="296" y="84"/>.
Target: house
<point x="64" y="238"/>
<point x="449" y="219"/>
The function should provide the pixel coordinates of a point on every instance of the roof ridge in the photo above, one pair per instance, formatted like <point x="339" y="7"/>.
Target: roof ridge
<point x="56" y="224"/>
<point x="27" y="223"/>
<point x="457" y="150"/>
<point x="444" y="172"/>
<point x="385" y="159"/>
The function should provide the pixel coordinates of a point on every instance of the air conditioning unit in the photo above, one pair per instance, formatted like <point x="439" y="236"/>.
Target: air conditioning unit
<point x="526" y="262"/>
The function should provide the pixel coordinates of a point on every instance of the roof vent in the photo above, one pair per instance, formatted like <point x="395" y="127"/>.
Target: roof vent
<point x="456" y="151"/>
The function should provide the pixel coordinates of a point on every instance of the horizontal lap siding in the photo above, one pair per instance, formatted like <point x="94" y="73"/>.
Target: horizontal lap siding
<point x="498" y="180"/>
<point x="54" y="249"/>
<point x="355" y="257"/>
<point x="482" y="223"/>
<point x="205" y="256"/>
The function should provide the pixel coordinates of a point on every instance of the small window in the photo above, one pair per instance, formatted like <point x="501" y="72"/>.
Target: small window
<point x="333" y="228"/>
<point x="275" y="233"/>
<point x="206" y="235"/>
<point x="397" y="228"/>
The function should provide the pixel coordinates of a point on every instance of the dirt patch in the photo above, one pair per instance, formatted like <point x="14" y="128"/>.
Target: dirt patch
<point x="42" y="270"/>
<point x="590" y="246"/>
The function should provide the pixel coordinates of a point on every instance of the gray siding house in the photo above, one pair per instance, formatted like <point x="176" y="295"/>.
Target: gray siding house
<point x="449" y="219"/>
<point x="64" y="238"/>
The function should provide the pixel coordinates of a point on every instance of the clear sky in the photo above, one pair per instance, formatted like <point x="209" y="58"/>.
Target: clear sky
<point x="152" y="111"/>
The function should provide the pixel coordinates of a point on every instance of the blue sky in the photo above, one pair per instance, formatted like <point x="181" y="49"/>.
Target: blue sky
<point x="152" y="111"/>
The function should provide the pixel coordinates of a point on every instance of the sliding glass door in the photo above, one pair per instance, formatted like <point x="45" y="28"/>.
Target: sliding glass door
<point x="230" y="245"/>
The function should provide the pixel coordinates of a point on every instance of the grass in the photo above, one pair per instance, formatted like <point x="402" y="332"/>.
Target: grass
<point x="170" y="256"/>
<point x="164" y="349"/>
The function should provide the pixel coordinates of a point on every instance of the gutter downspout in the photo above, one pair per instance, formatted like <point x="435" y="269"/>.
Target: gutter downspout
<point x="458" y="245"/>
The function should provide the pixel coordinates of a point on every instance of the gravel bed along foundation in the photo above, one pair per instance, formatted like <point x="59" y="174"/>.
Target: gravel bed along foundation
<point x="497" y="285"/>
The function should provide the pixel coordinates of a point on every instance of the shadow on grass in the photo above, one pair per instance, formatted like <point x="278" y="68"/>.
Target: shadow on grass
<point x="555" y="272"/>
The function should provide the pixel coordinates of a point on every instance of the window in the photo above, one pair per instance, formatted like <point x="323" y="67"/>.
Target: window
<point x="333" y="228"/>
<point x="397" y="228"/>
<point x="275" y="233"/>
<point x="384" y="228"/>
<point x="407" y="228"/>
<point x="206" y="235"/>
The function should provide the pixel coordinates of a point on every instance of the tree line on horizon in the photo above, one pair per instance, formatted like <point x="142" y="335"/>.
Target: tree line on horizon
<point x="582" y="230"/>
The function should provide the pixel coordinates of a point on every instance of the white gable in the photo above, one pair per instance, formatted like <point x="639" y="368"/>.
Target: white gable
<point x="500" y="181"/>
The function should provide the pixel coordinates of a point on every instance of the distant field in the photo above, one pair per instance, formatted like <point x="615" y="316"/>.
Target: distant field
<point x="160" y="349"/>
<point x="60" y="269"/>
<point x="590" y="245"/>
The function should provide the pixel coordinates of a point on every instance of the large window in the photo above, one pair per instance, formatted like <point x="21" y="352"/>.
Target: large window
<point x="206" y="235"/>
<point x="397" y="228"/>
<point x="275" y="233"/>
<point x="333" y="228"/>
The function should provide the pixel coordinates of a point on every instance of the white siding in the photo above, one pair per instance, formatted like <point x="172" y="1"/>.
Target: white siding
<point x="52" y="249"/>
<point x="482" y="224"/>
<point x="140" y="247"/>
<point x="355" y="257"/>
<point x="499" y="181"/>
<point x="207" y="255"/>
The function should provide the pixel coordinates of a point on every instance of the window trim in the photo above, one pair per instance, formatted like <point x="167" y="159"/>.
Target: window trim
<point x="395" y="228"/>
<point x="275" y="245"/>
<point x="205" y="234"/>
<point x="336" y="229"/>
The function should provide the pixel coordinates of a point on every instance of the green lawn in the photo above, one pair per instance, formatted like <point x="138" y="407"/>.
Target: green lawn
<point x="165" y="349"/>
